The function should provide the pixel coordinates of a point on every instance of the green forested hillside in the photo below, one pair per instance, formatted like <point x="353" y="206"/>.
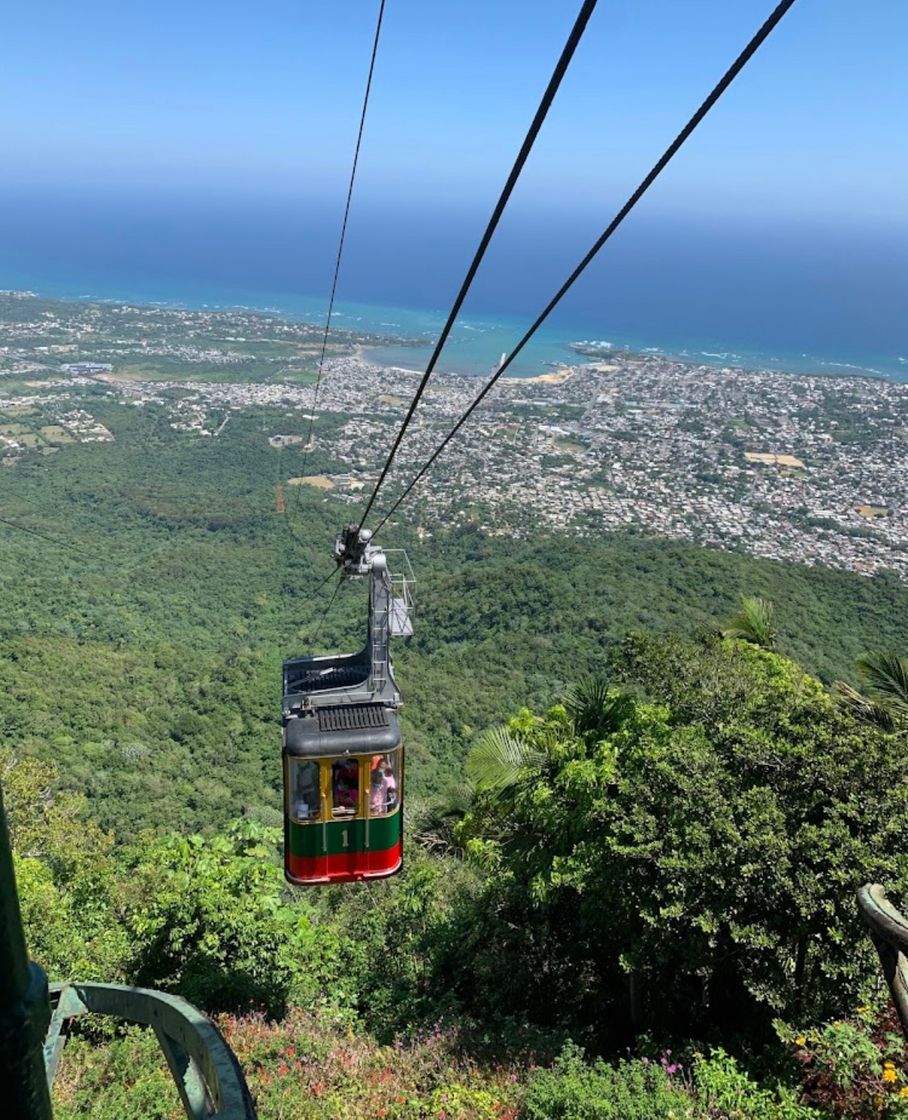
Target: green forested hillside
<point x="140" y="649"/>
<point x="635" y="901"/>
<point x="651" y="883"/>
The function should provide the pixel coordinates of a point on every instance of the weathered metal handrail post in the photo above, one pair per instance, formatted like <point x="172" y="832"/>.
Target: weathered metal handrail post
<point x="889" y="933"/>
<point x="24" y="1005"/>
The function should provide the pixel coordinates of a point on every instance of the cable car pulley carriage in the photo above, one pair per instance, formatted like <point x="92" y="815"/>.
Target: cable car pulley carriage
<point x="343" y="755"/>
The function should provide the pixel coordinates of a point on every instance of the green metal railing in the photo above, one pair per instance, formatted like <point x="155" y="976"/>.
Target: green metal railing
<point x="24" y="1006"/>
<point x="32" y="1034"/>
<point x="209" y="1080"/>
<point x="889" y="932"/>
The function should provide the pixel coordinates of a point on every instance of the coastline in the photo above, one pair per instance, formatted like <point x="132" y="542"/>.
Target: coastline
<point x="476" y="344"/>
<point x="786" y="467"/>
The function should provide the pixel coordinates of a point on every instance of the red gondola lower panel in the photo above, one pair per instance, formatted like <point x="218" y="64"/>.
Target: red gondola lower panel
<point x="339" y="852"/>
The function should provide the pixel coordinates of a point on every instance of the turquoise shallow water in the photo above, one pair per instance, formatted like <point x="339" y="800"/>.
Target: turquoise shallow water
<point x="476" y="343"/>
<point x="768" y="294"/>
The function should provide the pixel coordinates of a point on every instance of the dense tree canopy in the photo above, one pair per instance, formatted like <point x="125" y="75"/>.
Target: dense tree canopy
<point x="140" y="649"/>
<point x="701" y="856"/>
<point x="676" y="852"/>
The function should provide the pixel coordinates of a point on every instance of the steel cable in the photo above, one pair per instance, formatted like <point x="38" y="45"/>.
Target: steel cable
<point x="343" y="235"/>
<point x="717" y="91"/>
<point x="544" y="105"/>
<point x="325" y="613"/>
<point x="59" y="541"/>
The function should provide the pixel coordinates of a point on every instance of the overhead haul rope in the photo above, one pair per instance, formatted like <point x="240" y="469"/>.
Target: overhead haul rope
<point x="46" y="537"/>
<point x="327" y="610"/>
<point x="334" y="572"/>
<point x="343" y="234"/>
<point x="723" y="84"/>
<point x="545" y="104"/>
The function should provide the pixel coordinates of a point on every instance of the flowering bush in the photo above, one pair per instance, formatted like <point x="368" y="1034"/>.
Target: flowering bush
<point x="723" y="1091"/>
<point x="313" y="1066"/>
<point x="124" y="1079"/>
<point x="629" y="1090"/>
<point x="709" y="1087"/>
<point x="855" y="1068"/>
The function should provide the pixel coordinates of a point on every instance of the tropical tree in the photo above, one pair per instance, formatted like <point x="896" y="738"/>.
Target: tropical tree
<point x="433" y="822"/>
<point x="500" y="758"/>
<point x="209" y="918"/>
<point x="863" y="707"/>
<point x="699" y="861"/>
<point x="503" y="756"/>
<point x="65" y="873"/>
<point x="596" y="707"/>
<point x="887" y="678"/>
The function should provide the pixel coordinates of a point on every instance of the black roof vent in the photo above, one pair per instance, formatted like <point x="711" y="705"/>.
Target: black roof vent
<point x="352" y="717"/>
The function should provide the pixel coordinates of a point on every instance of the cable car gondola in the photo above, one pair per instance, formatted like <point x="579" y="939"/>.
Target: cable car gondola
<point x="343" y="755"/>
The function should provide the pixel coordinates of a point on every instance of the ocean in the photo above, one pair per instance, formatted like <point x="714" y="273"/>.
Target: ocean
<point x="800" y="300"/>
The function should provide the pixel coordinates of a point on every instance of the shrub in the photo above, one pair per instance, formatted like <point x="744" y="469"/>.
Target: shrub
<point x="693" y="867"/>
<point x="125" y="1079"/>
<point x="628" y="1090"/>
<point x="723" y="1090"/>
<point x="715" y="1088"/>
<point x="310" y="1066"/>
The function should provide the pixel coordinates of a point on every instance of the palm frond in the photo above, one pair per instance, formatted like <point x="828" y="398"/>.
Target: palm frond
<point x="887" y="678"/>
<point x="433" y="823"/>
<point x="499" y="759"/>
<point x="595" y="708"/>
<point x="862" y="707"/>
<point x="753" y="622"/>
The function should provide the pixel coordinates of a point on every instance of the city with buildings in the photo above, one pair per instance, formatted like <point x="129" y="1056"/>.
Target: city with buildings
<point x="803" y="468"/>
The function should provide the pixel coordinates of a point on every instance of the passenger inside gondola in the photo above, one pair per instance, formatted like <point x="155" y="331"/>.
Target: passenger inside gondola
<point x="391" y="787"/>
<point x="378" y="796"/>
<point x="306" y="797"/>
<point x="383" y="791"/>
<point x="345" y="787"/>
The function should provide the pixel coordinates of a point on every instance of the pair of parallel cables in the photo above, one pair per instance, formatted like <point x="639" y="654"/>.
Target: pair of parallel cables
<point x="561" y="67"/>
<point x="548" y="97"/>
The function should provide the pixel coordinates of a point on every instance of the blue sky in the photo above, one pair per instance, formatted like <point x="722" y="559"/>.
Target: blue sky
<point x="200" y="151"/>
<point x="262" y="100"/>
